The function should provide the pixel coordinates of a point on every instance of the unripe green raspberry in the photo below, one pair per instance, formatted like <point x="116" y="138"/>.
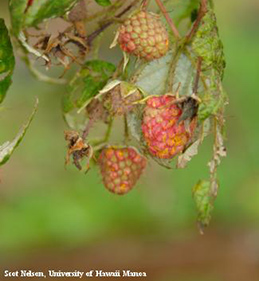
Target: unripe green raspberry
<point x="121" y="168"/>
<point x="144" y="35"/>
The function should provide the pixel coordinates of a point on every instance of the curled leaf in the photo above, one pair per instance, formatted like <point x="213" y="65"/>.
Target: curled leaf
<point x="184" y="158"/>
<point x="207" y="44"/>
<point x="204" y="203"/>
<point x="7" y="149"/>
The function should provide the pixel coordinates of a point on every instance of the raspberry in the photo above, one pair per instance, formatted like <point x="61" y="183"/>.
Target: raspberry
<point x="144" y="35"/>
<point x="121" y="168"/>
<point x="164" y="135"/>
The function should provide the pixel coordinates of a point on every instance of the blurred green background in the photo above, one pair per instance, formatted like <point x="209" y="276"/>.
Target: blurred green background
<point x="59" y="219"/>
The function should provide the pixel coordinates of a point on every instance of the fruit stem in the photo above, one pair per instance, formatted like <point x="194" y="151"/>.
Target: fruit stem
<point x="137" y="73"/>
<point x="119" y="70"/>
<point x="106" y="137"/>
<point x="145" y="3"/>
<point x="87" y="128"/>
<point x="202" y="11"/>
<point x="188" y="55"/>
<point x="126" y="129"/>
<point x="168" y="19"/>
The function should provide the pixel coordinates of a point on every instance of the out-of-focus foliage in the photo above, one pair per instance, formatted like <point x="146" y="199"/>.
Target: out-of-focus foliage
<point x="7" y="60"/>
<point x="26" y="13"/>
<point x="103" y="2"/>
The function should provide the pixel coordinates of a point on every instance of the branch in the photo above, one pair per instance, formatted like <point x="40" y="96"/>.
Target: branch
<point x="87" y="128"/>
<point x="168" y="19"/>
<point x="94" y="34"/>
<point x="202" y="11"/>
<point x="145" y="4"/>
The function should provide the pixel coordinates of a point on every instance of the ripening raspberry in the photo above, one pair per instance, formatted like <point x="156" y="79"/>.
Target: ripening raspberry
<point x="121" y="168"/>
<point x="144" y="35"/>
<point x="164" y="135"/>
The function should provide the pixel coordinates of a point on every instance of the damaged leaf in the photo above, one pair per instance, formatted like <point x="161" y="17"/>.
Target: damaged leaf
<point x="207" y="44"/>
<point x="204" y="202"/>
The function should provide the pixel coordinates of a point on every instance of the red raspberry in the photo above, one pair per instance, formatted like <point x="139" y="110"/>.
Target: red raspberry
<point x="163" y="135"/>
<point x="121" y="168"/>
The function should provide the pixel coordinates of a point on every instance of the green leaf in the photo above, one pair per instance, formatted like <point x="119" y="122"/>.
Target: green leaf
<point x="208" y="45"/>
<point x="23" y="16"/>
<point x="7" y="149"/>
<point x="87" y="84"/>
<point x="153" y="78"/>
<point x="103" y="3"/>
<point x="214" y="99"/>
<point x="204" y="202"/>
<point x="7" y="61"/>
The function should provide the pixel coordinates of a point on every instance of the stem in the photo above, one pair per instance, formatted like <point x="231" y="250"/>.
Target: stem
<point x="197" y="78"/>
<point x="168" y="19"/>
<point x="139" y="70"/>
<point x="108" y="11"/>
<point x="172" y="68"/>
<point x="118" y="70"/>
<point x="107" y="135"/>
<point x="202" y="77"/>
<point x="108" y="132"/>
<point x="42" y="77"/>
<point x="202" y="11"/>
<point x="97" y="47"/>
<point x="87" y="128"/>
<point x="145" y="4"/>
<point x="126" y="129"/>
<point x="94" y="34"/>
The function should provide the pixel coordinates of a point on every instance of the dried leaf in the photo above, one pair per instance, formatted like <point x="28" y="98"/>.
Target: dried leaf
<point x="184" y="158"/>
